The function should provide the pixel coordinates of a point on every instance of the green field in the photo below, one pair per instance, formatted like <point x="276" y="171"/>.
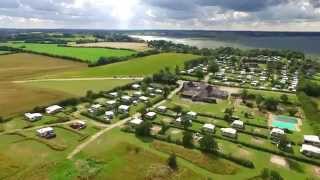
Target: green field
<point x="135" y="67"/>
<point x="85" y="54"/>
<point x="78" y="87"/>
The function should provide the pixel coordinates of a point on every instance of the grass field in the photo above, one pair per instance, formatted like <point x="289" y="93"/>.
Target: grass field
<point x="78" y="87"/>
<point x="86" y="54"/>
<point x="135" y="67"/>
<point x="119" y="45"/>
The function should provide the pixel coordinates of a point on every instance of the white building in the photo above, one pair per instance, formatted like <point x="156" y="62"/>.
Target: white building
<point x="33" y="116"/>
<point x="162" y="108"/>
<point x="135" y="86"/>
<point x="237" y="124"/>
<point x="126" y="99"/>
<point x="94" y="108"/>
<point x="229" y="132"/>
<point x="192" y="115"/>
<point x="144" y="98"/>
<point x="137" y="94"/>
<point x="111" y="103"/>
<point x="124" y="109"/>
<point x="158" y="91"/>
<point x="310" y="150"/>
<point x="276" y="134"/>
<point x="108" y="115"/>
<point x="46" y="132"/>
<point x="135" y="122"/>
<point x="151" y="115"/>
<point x="312" y="140"/>
<point x="208" y="127"/>
<point x="53" y="109"/>
<point x="113" y="94"/>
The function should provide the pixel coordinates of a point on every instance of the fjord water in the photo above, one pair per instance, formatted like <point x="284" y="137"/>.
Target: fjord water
<point x="306" y="44"/>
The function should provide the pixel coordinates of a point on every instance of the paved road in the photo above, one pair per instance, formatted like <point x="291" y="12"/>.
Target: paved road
<point x="98" y="134"/>
<point x="79" y="79"/>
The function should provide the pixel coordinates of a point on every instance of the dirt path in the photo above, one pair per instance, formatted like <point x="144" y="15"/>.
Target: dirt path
<point x="80" y="79"/>
<point x="98" y="134"/>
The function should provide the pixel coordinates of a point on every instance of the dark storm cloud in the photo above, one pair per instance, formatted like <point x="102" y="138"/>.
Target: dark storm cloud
<point x="242" y="5"/>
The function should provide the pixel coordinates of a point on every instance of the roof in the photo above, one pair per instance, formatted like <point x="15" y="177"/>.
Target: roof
<point x="53" y="108"/>
<point x="96" y="106"/>
<point x="125" y="107"/>
<point x="136" y="121"/>
<point x="80" y="122"/>
<point x="237" y="122"/>
<point x="151" y="114"/>
<point x="178" y="119"/>
<point x="191" y="113"/>
<point x="33" y="115"/>
<point x="144" y="98"/>
<point x="310" y="148"/>
<point x="114" y="93"/>
<point x="45" y="130"/>
<point x="126" y="97"/>
<point x="109" y="113"/>
<point x="111" y="102"/>
<point x="209" y="126"/>
<point x="135" y="85"/>
<point x="311" y="138"/>
<point x="277" y="130"/>
<point x="162" y="107"/>
<point x="229" y="130"/>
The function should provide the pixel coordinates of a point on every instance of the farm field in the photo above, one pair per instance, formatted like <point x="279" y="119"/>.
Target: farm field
<point x="78" y="87"/>
<point x="118" y="45"/>
<point x="134" y="67"/>
<point x="86" y="54"/>
<point x="16" y="97"/>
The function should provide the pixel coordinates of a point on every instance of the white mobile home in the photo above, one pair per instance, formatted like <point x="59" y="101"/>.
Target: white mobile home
<point x="208" y="127"/>
<point x="310" y="150"/>
<point x="312" y="140"/>
<point x="95" y="108"/>
<point x="108" y="115"/>
<point x="162" y="108"/>
<point x="135" y="122"/>
<point x="33" y="116"/>
<point x="135" y="86"/>
<point x="46" y="132"/>
<point x="191" y="115"/>
<point x="237" y="124"/>
<point x="124" y="109"/>
<point x="53" y="109"/>
<point x="151" y="115"/>
<point x="113" y="94"/>
<point x="229" y="132"/>
<point x="276" y="134"/>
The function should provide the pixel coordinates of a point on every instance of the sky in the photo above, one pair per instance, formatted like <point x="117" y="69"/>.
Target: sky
<point x="260" y="15"/>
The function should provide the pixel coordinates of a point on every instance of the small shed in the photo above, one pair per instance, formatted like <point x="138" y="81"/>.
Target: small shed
<point x="53" y="109"/>
<point x="151" y="115"/>
<point x="33" y="116"/>
<point x="208" y="127"/>
<point x="229" y="132"/>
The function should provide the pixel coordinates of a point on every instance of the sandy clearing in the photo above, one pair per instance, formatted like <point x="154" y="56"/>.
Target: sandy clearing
<point x="279" y="161"/>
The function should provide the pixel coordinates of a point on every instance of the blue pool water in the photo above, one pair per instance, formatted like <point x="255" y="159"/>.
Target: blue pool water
<point x="284" y="125"/>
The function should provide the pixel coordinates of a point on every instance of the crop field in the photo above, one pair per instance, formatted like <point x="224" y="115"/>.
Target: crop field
<point x="85" y="54"/>
<point x="135" y="67"/>
<point x="118" y="45"/>
<point x="18" y="97"/>
<point x="78" y="87"/>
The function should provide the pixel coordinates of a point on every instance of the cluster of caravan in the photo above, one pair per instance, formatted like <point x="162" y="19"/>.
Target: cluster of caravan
<point x="48" y="132"/>
<point x="122" y="104"/>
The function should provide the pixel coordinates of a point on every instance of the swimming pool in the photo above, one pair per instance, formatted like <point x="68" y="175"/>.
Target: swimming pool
<point x="284" y="125"/>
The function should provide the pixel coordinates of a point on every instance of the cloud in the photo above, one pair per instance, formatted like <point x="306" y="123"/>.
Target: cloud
<point x="161" y="14"/>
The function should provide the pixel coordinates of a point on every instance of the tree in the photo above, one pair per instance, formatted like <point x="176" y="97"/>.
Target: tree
<point x="1" y="119"/>
<point x="172" y="162"/>
<point x="208" y="144"/>
<point x="268" y="174"/>
<point x="177" y="70"/>
<point x="186" y="122"/>
<point x="292" y="111"/>
<point x="228" y="113"/>
<point x="213" y="67"/>
<point x="187" y="139"/>
<point x="144" y="129"/>
<point x="284" y="98"/>
<point x="199" y="74"/>
<point x="271" y="104"/>
<point x="177" y="109"/>
<point x="283" y="143"/>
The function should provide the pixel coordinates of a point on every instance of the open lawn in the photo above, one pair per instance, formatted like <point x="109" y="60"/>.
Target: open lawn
<point x="85" y="54"/>
<point x="134" y="67"/>
<point x="118" y="45"/>
<point x="292" y="97"/>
